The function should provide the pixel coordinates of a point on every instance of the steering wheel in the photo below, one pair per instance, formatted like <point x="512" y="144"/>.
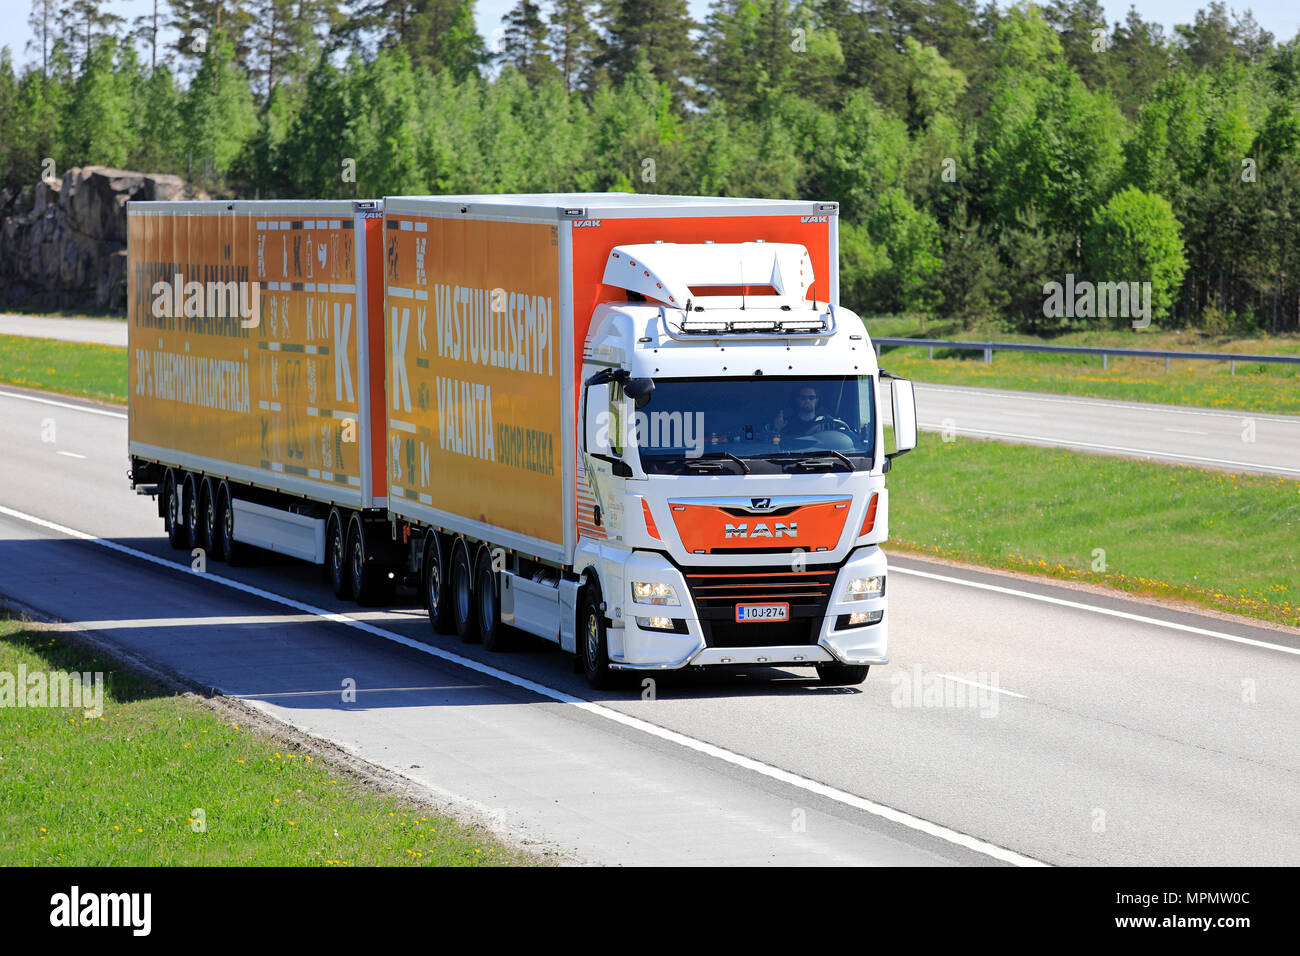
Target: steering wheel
<point x="827" y="422"/>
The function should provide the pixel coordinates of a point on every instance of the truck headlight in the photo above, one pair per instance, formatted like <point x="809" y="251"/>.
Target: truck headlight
<point x="863" y="589"/>
<point x="646" y="592"/>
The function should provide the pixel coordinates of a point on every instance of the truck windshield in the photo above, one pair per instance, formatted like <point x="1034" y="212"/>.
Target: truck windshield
<point x="768" y="425"/>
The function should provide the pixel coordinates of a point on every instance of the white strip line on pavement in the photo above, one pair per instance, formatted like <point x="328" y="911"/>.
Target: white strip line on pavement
<point x="1095" y="609"/>
<point x="935" y="830"/>
<point x="50" y="401"/>
<point x="971" y="683"/>
<point x="1145" y="452"/>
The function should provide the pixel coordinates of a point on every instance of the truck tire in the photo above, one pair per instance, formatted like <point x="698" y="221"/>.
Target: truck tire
<point x="336" y="557"/>
<point x="369" y="579"/>
<point x="235" y="552"/>
<point x="190" y="503"/>
<point x="210" y="529"/>
<point x="437" y="583"/>
<point x="493" y="634"/>
<point x="174" y="519"/>
<point x="842" y="675"/>
<point x="462" y="593"/>
<point x="593" y="650"/>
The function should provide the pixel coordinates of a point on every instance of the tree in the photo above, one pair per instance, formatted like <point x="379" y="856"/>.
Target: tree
<point x="198" y="21"/>
<point x="659" y="29"/>
<point x="44" y="23"/>
<point x="83" y="24"/>
<point x="573" y="41"/>
<point x="217" y="114"/>
<point x="1135" y="237"/>
<point x="526" y="45"/>
<point x="100" y="121"/>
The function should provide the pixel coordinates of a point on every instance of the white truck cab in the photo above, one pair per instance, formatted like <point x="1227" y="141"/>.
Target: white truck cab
<point x="733" y="500"/>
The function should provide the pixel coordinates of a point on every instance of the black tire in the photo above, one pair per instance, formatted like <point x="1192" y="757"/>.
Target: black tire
<point x="235" y="552"/>
<point x="464" y="611"/>
<point x="336" y="558"/>
<point x="493" y="634"/>
<point x="437" y="584"/>
<point x="842" y="675"/>
<point x="193" y="531"/>
<point x="173" y="517"/>
<point x="368" y="578"/>
<point x="209" y="529"/>
<point x="593" y="649"/>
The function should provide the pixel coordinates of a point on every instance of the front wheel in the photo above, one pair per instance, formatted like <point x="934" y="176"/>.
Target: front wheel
<point x="835" y="674"/>
<point x="593" y="649"/>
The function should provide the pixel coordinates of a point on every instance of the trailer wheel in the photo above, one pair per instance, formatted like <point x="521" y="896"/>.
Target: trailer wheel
<point x="593" y="649"/>
<point x="462" y="593"/>
<point x="336" y="557"/>
<point x="368" y="578"/>
<point x="437" y="584"/>
<point x="235" y="552"/>
<point x="173" y="520"/>
<point x="490" y="629"/>
<point x="193" y="534"/>
<point x="842" y="675"/>
<point x="210" y="528"/>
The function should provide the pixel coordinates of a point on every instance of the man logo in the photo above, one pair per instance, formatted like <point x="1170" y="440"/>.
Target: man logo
<point x="779" y="530"/>
<point x="761" y="504"/>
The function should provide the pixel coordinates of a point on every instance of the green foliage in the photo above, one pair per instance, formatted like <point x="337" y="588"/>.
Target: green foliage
<point x="1135" y="238"/>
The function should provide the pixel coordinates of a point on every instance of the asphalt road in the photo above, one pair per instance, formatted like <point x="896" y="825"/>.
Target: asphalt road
<point x="96" y="331"/>
<point x="1103" y="730"/>
<point x="1233" y="441"/>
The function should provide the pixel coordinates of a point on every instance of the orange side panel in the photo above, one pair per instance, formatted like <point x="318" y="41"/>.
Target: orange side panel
<point x="374" y="240"/>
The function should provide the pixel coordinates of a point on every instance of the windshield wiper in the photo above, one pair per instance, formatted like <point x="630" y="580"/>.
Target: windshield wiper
<point x="715" y="456"/>
<point x="818" y="459"/>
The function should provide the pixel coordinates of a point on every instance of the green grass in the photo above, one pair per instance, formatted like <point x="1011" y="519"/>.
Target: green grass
<point x="1224" y="541"/>
<point x="73" y="368"/>
<point x="121" y="790"/>
<point x="1257" y="387"/>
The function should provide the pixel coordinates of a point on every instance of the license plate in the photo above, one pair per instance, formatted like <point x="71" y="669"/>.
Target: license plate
<point x="748" y="613"/>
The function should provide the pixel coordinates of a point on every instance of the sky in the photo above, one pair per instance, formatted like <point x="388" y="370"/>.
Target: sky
<point x="1280" y="17"/>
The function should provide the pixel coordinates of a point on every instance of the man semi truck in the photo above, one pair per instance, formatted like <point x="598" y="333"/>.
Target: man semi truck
<point x="641" y="427"/>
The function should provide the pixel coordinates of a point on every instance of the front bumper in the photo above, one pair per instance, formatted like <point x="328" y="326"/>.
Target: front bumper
<point x="711" y="640"/>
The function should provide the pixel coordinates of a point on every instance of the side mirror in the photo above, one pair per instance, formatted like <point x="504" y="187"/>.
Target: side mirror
<point x="904" y="417"/>
<point x="639" y="390"/>
<point x="596" y="421"/>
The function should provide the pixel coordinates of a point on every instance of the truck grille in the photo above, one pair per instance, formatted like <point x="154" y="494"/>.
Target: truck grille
<point x="717" y="591"/>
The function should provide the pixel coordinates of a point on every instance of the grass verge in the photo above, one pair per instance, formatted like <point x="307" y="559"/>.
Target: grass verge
<point x="73" y="368"/>
<point x="1224" y="541"/>
<point x="126" y="788"/>
<point x="1256" y="387"/>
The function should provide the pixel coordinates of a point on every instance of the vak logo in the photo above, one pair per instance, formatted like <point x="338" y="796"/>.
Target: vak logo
<point x="814" y="219"/>
<point x="586" y="223"/>
<point x="761" y="530"/>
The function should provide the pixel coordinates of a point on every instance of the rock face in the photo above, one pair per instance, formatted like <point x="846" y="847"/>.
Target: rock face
<point x="63" y="243"/>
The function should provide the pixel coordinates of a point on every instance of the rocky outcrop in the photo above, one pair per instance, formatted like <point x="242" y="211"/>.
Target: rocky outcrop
<point x="63" y="242"/>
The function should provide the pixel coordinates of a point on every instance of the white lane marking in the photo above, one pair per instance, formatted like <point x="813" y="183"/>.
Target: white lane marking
<point x="50" y="401"/>
<point x="996" y="690"/>
<point x="1145" y="452"/>
<point x="1185" y="431"/>
<point x="71" y="454"/>
<point x="727" y="756"/>
<point x="991" y="393"/>
<point x="1109" y="612"/>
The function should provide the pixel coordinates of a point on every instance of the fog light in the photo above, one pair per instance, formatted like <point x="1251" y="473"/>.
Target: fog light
<point x="859" y="618"/>
<point x="656" y="623"/>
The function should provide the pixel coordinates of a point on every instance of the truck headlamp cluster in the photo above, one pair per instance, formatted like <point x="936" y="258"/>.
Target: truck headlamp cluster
<point x="644" y="592"/>
<point x="864" y="589"/>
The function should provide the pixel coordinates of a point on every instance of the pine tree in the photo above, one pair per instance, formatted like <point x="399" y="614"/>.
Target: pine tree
<point x="82" y="24"/>
<point x="573" y="41"/>
<point x="525" y="45"/>
<point x="659" y="29"/>
<point x="45" y="29"/>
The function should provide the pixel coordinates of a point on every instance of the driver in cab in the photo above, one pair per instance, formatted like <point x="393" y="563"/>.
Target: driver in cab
<point x="805" y="419"/>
